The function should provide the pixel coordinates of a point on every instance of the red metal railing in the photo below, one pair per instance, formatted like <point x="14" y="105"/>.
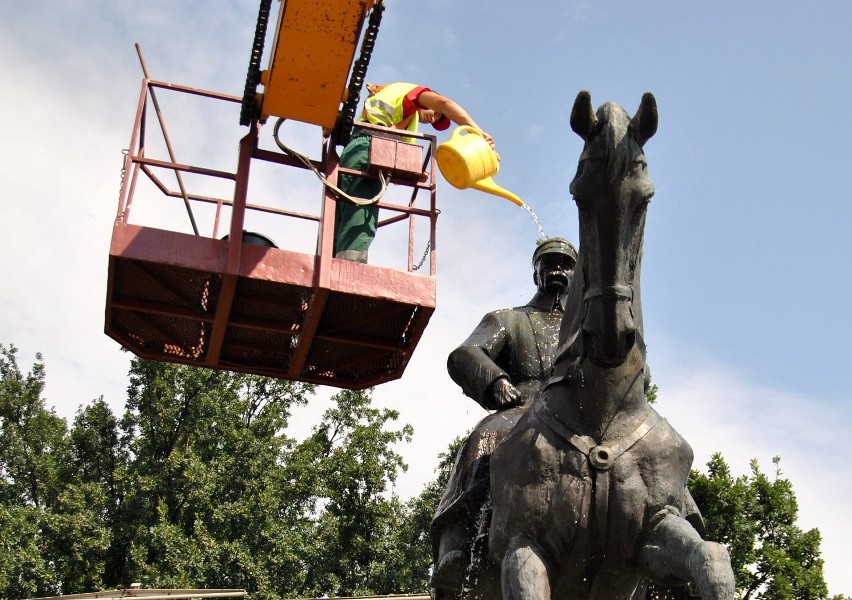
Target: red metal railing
<point x="136" y="161"/>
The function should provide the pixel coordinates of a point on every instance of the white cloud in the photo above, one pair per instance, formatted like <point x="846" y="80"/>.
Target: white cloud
<point x="718" y="408"/>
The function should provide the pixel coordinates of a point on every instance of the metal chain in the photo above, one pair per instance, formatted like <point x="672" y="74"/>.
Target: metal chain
<point x="248" y="111"/>
<point x="343" y="128"/>
<point x="425" y="254"/>
<point x="124" y="153"/>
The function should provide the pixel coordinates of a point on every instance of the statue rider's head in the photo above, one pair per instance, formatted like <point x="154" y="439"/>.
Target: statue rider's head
<point x="553" y="264"/>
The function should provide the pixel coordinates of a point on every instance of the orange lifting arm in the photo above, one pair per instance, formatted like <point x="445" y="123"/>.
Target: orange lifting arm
<point x="315" y="43"/>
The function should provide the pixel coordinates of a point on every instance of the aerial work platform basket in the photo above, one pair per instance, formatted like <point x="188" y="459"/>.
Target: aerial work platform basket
<point x="237" y="301"/>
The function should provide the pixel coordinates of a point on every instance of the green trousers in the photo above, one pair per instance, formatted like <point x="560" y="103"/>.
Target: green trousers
<point x="354" y="225"/>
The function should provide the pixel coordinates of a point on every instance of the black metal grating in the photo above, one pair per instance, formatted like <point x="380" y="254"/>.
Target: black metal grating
<point x="382" y="320"/>
<point x="345" y="347"/>
<point x="184" y="340"/>
<point x="167" y="312"/>
<point x="350" y="364"/>
<point x="276" y="304"/>
<point x="167" y="285"/>
<point x="252" y="348"/>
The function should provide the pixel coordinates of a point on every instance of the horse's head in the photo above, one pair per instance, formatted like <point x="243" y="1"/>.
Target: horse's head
<point x="612" y="189"/>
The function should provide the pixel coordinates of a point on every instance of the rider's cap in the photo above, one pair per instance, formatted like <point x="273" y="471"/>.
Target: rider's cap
<point x="555" y="245"/>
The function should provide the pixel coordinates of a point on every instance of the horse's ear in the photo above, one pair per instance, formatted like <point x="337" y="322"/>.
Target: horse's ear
<point x="644" y="123"/>
<point x="583" y="118"/>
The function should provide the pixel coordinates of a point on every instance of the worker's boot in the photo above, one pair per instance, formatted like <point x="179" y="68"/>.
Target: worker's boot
<point x="356" y="255"/>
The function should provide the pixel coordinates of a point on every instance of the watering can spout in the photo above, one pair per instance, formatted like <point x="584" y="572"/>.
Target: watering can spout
<point x="488" y="186"/>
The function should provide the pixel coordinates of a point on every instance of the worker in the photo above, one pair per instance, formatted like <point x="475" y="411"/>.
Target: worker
<point x="399" y="106"/>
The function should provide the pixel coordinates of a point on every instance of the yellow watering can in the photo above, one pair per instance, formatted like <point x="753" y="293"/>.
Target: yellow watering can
<point x="467" y="161"/>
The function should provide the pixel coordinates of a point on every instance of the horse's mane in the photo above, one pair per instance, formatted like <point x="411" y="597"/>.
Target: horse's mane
<point x="574" y="309"/>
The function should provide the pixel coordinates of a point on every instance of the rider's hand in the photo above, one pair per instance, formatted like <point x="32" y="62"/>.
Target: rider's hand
<point x="505" y="395"/>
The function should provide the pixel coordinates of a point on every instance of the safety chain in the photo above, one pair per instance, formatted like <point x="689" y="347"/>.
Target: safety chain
<point x="343" y="128"/>
<point x="425" y="254"/>
<point x="124" y="154"/>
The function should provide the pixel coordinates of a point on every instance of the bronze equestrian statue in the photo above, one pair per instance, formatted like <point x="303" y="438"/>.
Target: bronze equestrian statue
<point x="589" y="488"/>
<point x="502" y="365"/>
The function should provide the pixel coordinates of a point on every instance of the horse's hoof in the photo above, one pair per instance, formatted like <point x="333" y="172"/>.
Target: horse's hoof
<point x="450" y="572"/>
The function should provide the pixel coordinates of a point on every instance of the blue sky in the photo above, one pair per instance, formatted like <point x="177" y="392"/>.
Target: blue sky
<point x="746" y="278"/>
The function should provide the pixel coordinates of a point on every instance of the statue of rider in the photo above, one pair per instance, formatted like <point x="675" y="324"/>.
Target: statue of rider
<point x="502" y="365"/>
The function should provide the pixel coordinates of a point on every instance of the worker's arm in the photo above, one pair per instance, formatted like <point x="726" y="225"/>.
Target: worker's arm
<point x="452" y="110"/>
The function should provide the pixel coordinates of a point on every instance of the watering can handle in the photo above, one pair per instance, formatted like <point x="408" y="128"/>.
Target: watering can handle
<point x="467" y="128"/>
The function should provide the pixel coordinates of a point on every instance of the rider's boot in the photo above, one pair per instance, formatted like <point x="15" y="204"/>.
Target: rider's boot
<point x="453" y="560"/>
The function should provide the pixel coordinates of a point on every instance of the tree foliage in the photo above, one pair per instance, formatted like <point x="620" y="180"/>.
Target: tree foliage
<point x="197" y="484"/>
<point x="33" y="449"/>
<point x="755" y="515"/>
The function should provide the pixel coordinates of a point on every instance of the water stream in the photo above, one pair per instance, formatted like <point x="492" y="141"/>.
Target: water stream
<point x="477" y="550"/>
<point x="541" y="234"/>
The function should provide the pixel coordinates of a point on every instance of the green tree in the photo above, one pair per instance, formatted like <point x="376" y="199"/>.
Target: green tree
<point x="33" y="449"/>
<point x="352" y="461"/>
<point x="755" y="516"/>
<point x="89" y="509"/>
<point x="197" y="485"/>
<point x="204" y="495"/>
<point x="32" y="438"/>
<point x="77" y="537"/>
<point x="411" y="564"/>
<point x="24" y="572"/>
<point x="54" y="520"/>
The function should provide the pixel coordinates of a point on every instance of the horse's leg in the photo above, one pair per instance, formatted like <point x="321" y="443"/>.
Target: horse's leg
<point x="673" y="551"/>
<point x="524" y="573"/>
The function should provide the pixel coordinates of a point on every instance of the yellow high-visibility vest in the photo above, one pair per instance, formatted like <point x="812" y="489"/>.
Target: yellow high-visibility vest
<point x="385" y="107"/>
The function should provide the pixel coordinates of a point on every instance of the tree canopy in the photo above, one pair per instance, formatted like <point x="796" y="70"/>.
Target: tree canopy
<point x="199" y="484"/>
<point x="755" y="515"/>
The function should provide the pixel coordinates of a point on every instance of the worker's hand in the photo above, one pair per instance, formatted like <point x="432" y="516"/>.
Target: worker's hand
<point x="490" y="141"/>
<point x="505" y="395"/>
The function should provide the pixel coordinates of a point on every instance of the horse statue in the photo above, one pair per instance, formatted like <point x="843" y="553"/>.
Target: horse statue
<point x="588" y="490"/>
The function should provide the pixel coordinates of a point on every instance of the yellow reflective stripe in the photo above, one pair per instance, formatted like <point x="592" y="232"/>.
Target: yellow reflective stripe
<point x="383" y="112"/>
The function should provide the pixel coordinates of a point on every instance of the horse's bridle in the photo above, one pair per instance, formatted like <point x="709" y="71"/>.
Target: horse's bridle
<point x="617" y="291"/>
